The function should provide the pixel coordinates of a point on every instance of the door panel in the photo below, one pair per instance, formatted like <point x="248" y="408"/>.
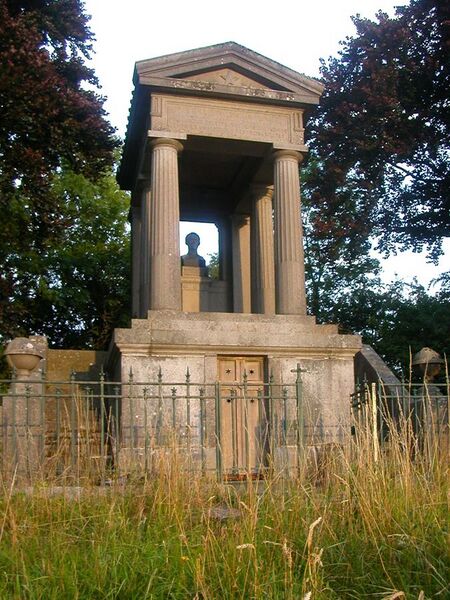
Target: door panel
<point x="228" y="370"/>
<point x="243" y="422"/>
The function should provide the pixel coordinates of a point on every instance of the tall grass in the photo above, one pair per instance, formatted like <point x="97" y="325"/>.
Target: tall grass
<point x="354" y="528"/>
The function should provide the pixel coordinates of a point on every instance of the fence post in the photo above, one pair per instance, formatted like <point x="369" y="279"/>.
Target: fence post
<point x="73" y="422"/>
<point x="300" y="415"/>
<point x="159" y="417"/>
<point x="272" y="431"/>
<point x="118" y="392"/>
<point x="146" y="434"/>
<point x="246" y="431"/>
<point x="373" y="406"/>
<point x="102" y="423"/>
<point x="201" y="393"/>
<point x="59" y="464"/>
<point x="131" y="408"/>
<point x="188" y="413"/>
<point x="218" y="436"/>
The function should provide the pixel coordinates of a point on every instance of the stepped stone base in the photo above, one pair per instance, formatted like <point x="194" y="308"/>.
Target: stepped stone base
<point x="173" y="341"/>
<point x="168" y="333"/>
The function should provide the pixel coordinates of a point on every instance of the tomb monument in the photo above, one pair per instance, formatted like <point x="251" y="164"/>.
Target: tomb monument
<point x="216" y="135"/>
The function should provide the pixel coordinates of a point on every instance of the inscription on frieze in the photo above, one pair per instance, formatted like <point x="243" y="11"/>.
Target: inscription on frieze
<point x="227" y="119"/>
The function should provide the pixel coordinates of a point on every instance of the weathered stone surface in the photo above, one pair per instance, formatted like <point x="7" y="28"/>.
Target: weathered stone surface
<point x="227" y="77"/>
<point x="241" y="264"/>
<point x="144" y="195"/>
<point x="84" y="363"/>
<point x="202" y="294"/>
<point x="235" y="333"/>
<point x="23" y="420"/>
<point x="136" y="245"/>
<point x="227" y="119"/>
<point x="170" y="342"/>
<point x="240" y="117"/>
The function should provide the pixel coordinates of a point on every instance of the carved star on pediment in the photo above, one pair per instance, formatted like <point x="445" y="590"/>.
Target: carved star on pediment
<point x="231" y="78"/>
<point x="227" y="76"/>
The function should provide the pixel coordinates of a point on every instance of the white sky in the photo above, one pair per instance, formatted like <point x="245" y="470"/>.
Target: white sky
<point x="293" y="32"/>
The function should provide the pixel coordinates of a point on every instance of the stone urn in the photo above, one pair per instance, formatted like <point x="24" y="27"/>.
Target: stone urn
<point x="23" y="355"/>
<point x="428" y="363"/>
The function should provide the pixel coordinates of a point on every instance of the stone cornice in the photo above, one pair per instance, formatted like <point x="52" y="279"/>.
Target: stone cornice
<point x="217" y="90"/>
<point x="136" y="349"/>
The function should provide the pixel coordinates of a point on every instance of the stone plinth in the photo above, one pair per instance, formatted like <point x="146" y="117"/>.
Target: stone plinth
<point x="23" y="415"/>
<point x="174" y="342"/>
<point x="201" y="294"/>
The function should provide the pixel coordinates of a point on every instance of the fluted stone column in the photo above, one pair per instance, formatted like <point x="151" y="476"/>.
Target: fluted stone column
<point x="165" y="270"/>
<point x="241" y="264"/>
<point x="226" y="258"/>
<point x="136" y="223"/>
<point x="263" y="267"/>
<point x="144" y="280"/>
<point x="289" y="260"/>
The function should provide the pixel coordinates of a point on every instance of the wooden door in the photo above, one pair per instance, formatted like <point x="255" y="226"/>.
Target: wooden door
<point x="243" y="422"/>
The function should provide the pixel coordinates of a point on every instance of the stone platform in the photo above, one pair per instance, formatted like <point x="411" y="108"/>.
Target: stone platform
<point x="174" y="341"/>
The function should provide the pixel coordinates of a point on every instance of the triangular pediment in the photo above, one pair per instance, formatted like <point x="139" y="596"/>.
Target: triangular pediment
<point x="228" y="65"/>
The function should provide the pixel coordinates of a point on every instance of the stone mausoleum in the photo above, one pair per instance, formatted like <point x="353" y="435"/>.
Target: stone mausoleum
<point x="216" y="135"/>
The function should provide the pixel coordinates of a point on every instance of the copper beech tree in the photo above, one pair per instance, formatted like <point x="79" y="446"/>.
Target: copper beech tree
<point x="382" y="131"/>
<point x="47" y="112"/>
<point x="379" y="174"/>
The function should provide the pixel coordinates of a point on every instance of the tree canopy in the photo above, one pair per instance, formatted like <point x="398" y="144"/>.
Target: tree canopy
<point x="379" y="168"/>
<point x="379" y="173"/>
<point x="51" y="119"/>
<point x="382" y="130"/>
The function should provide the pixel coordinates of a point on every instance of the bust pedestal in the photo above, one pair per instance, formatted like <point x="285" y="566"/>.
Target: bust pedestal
<point x="200" y="293"/>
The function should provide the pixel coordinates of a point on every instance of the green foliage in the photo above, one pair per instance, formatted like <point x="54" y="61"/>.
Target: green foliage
<point x="48" y="113"/>
<point x="213" y="265"/>
<point x="396" y="319"/>
<point x="343" y="283"/>
<point x="337" y="245"/>
<point x="75" y="288"/>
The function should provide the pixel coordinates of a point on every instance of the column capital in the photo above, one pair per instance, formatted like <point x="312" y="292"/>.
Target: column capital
<point x="240" y="219"/>
<point x="260" y="190"/>
<point x="168" y="142"/>
<point x="288" y="155"/>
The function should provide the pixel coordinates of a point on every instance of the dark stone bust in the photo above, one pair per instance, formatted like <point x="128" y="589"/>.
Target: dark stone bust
<point x="192" y="258"/>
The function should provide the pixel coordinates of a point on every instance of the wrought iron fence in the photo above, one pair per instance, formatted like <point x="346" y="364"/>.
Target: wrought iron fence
<point x="235" y="430"/>
<point x="104" y="428"/>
